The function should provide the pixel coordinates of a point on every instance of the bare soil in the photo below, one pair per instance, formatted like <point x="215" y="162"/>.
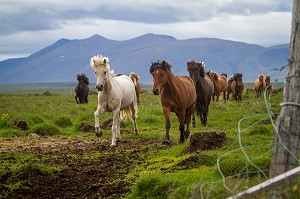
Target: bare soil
<point x="90" y="168"/>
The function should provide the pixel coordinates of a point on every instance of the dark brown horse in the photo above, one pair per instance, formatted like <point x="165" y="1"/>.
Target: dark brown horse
<point x="82" y="89"/>
<point x="177" y="94"/>
<point x="237" y="87"/>
<point x="220" y="85"/>
<point x="204" y="89"/>
<point x="135" y="78"/>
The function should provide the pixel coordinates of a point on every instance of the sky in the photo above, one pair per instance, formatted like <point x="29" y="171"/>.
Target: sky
<point x="27" y="26"/>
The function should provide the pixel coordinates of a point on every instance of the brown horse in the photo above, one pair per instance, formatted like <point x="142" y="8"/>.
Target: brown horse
<point x="229" y="90"/>
<point x="259" y="86"/>
<point x="220" y="85"/>
<point x="204" y="89"/>
<point x="268" y="86"/>
<point x="237" y="87"/>
<point x="135" y="78"/>
<point x="177" y="94"/>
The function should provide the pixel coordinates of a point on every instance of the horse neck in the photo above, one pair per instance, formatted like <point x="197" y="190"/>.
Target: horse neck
<point x="108" y="84"/>
<point x="171" y="83"/>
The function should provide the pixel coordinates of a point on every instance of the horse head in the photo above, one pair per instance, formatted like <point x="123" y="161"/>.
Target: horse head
<point x="159" y="72"/>
<point x="193" y="69"/>
<point x="101" y="69"/>
<point x="268" y="79"/>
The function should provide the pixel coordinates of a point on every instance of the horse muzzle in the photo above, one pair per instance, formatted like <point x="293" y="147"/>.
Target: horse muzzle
<point x="99" y="87"/>
<point x="155" y="91"/>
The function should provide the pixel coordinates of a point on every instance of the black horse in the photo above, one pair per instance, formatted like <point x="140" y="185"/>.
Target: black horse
<point x="82" y="89"/>
<point x="204" y="88"/>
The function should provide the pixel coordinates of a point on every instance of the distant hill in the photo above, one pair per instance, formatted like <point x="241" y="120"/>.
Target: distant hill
<point x="61" y="61"/>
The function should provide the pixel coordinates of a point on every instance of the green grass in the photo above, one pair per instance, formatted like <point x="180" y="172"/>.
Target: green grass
<point x="161" y="176"/>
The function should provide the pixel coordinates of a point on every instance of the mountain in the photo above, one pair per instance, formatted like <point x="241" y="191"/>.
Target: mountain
<point x="61" y="61"/>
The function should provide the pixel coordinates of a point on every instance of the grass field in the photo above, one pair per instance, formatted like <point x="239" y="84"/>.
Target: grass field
<point x="143" y="167"/>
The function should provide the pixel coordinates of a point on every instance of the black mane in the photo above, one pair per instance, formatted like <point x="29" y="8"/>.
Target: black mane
<point x="160" y="64"/>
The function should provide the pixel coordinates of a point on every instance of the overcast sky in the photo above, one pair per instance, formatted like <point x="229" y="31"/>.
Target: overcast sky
<point x="27" y="26"/>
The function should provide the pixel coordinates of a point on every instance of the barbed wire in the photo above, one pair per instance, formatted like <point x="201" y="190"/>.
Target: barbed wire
<point x="207" y="193"/>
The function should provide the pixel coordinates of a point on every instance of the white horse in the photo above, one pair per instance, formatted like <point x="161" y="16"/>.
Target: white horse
<point x="116" y="94"/>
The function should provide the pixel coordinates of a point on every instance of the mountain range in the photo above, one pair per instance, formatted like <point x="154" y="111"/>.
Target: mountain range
<point x="64" y="59"/>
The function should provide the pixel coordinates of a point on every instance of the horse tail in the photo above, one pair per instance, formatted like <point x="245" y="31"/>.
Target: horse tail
<point x="128" y="111"/>
<point x="125" y="113"/>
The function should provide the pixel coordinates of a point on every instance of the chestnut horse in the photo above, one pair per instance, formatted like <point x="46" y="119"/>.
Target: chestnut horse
<point x="177" y="94"/>
<point x="204" y="89"/>
<point x="237" y="87"/>
<point x="220" y="85"/>
<point x="259" y="86"/>
<point x="268" y="86"/>
<point x="135" y="78"/>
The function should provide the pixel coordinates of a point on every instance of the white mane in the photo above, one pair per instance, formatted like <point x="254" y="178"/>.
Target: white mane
<point x="98" y="60"/>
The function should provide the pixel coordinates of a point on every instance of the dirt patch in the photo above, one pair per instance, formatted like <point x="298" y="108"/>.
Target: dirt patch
<point x="90" y="167"/>
<point x="85" y="127"/>
<point x="206" y="140"/>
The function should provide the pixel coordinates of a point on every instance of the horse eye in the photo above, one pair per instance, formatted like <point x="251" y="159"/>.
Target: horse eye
<point x="161" y="75"/>
<point x="104" y="72"/>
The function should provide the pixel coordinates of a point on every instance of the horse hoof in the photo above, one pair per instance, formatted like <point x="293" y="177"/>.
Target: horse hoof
<point x="113" y="145"/>
<point x="167" y="142"/>
<point x="118" y="139"/>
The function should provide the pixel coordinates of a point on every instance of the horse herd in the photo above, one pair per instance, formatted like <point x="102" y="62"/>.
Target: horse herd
<point x="182" y="95"/>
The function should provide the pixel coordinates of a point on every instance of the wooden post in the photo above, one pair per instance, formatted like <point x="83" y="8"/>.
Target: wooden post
<point x="286" y="142"/>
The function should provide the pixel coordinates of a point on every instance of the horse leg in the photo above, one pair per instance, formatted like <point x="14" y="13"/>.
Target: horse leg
<point x="115" y="127"/>
<point x="76" y="99"/>
<point x="181" y="118"/>
<point x="166" y="111"/>
<point x="189" y="113"/>
<point x="97" y="113"/>
<point x="138" y="98"/>
<point x="224" y="95"/>
<point x="133" y="108"/>
<point x="194" y="122"/>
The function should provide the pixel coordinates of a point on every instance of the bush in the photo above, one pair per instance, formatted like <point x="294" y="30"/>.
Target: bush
<point x="36" y="119"/>
<point x="63" y="121"/>
<point x="4" y="121"/>
<point x="45" y="129"/>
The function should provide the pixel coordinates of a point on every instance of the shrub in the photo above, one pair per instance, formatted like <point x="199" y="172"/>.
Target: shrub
<point x="45" y="129"/>
<point x="63" y="121"/>
<point x="36" y="119"/>
<point x="4" y="121"/>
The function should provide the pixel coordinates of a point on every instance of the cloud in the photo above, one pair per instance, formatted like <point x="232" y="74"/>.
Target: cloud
<point x="30" y="25"/>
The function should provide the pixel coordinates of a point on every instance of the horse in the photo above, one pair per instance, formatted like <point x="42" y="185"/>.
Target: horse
<point x="135" y="78"/>
<point x="177" y="94"/>
<point x="116" y="94"/>
<point x="220" y="85"/>
<point x="237" y="87"/>
<point x="268" y="86"/>
<point x="82" y="89"/>
<point x="259" y="86"/>
<point x="204" y="89"/>
<point x="229" y="90"/>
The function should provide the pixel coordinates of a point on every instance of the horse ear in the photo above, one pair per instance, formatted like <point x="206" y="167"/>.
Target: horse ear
<point x="163" y="63"/>
<point x="104" y="61"/>
<point x="94" y="62"/>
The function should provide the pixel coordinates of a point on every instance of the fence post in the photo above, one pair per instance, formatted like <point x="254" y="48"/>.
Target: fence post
<point x="286" y="142"/>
